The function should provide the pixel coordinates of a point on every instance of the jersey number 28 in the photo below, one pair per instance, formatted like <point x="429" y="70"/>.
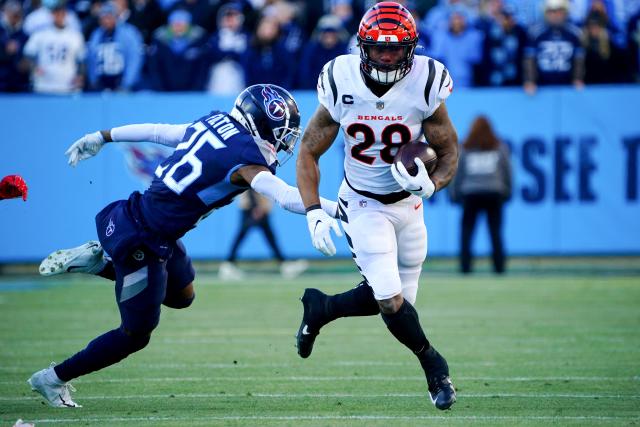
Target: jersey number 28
<point x="386" y="137"/>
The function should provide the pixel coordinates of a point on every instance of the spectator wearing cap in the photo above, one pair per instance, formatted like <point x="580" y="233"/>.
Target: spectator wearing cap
<point x="203" y="12"/>
<point x="503" y="51"/>
<point x="41" y="16"/>
<point x="13" y="76"/>
<point x="114" y="57"/>
<point x="605" y="62"/>
<point x="459" y="47"/>
<point x="56" y="56"/>
<point x="267" y="60"/>
<point x="177" y="59"/>
<point x="328" y="41"/>
<point x="554" y="54"/>
<point x="226" y="48"/>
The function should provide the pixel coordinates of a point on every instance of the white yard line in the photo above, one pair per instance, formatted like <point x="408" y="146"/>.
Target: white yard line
<point x="336" y="395"/>
<point x="332" y="418"/>
<point x="350" y="378"/>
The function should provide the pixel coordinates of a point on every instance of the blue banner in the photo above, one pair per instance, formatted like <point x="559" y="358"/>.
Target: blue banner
<point x="575" y="158"/>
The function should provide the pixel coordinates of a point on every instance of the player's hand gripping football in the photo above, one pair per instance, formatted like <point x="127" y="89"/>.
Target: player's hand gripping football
<point x="420" y="185"/>
<point x="85" y="147"/>
<point x="13" y="186"/>
<point x="320" y="226"/>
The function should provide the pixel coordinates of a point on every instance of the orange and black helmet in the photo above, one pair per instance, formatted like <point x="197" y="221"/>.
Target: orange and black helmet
<point x="387" y="25"/>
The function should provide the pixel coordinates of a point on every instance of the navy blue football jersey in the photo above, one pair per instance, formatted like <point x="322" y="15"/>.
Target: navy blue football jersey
<point x="196" y="178"/>
<point x="555" y="49"/>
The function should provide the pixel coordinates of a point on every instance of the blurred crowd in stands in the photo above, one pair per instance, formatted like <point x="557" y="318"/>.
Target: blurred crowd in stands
<point x="65" y="46"/>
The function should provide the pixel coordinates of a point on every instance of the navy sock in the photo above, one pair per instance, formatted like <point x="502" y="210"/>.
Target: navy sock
<point x="103" y="351"/>
<point x="405" y="326"/>
<point x="358" y="301"/>
<point x="108" y="272"/>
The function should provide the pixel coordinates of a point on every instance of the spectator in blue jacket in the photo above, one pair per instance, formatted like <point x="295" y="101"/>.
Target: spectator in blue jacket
<point x="115" y="54"/>
<point x="177" y="59"/>
<point x="328" y="41"/>
<point x="503" y="51"/>
<point x="13" y="76"/>
<point x="267" y="60"/>
<point x="459" y="47"/>
<point x="226" y="48"/>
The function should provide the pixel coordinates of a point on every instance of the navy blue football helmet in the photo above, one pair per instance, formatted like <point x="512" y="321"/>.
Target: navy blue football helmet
<point x="270" y="114"/>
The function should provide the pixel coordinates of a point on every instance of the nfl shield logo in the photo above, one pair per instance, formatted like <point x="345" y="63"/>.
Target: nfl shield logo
<point x="380" y="105"/>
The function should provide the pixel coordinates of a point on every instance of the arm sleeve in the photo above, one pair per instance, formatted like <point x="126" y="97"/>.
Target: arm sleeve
<point x="285" y="195"/>
<point x="158" y="133"/>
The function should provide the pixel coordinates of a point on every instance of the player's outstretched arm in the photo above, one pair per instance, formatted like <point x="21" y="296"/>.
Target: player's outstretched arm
<point x="275" y="189"/>
<point x="443" y="138"/>
<point x="90" y="144"/>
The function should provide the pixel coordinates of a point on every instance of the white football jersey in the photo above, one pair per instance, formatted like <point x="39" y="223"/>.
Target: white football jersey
<point x="57" y="53"/>
<point x="374" y="128"/>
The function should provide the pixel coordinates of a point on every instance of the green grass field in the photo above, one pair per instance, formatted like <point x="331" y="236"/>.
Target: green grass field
<point x="523" y="350"/>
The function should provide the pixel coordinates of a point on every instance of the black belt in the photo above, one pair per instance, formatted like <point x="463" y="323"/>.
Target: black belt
<point x="387" y="199"/>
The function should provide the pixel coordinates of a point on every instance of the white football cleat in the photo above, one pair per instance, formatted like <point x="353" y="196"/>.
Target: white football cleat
<point x="87" y="258"/>
<point x="229" y="272"/>
<point x="292" y="269"/>
<point x="56" y="393"/>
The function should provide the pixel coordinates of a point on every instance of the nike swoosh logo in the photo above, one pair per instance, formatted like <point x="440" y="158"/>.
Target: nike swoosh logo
<point x="305" y="330"/>
<point x="73" y="268"/>
<point x="316" y="226"/>
<point x="416" y="207"/>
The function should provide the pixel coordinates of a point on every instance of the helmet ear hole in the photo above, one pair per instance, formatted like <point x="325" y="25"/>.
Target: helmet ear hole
<point x="387" y="24"/>
<point x="270" y="114"/>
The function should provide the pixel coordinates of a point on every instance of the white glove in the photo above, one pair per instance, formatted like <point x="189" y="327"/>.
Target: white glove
<point x="85" y="147"/>
<point x="320" y="226"/>
<point x="420" y="185"/>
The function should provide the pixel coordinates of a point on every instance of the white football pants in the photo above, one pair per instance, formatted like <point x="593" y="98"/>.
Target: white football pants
<point x="388" y="242"/>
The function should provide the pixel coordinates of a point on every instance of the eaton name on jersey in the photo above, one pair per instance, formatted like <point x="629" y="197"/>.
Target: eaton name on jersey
<point x="223" y="125"/>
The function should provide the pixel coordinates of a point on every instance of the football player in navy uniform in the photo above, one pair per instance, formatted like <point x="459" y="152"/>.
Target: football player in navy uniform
<point x="381" y="100"/>
<point x="216" y="158"/>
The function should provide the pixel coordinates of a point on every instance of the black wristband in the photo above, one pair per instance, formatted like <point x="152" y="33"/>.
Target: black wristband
<point x="313" y="207"/>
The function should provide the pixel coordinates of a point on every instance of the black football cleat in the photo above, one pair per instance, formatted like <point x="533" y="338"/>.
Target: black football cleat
<point x="313" y="317"/>
<point x="441" y="392"/>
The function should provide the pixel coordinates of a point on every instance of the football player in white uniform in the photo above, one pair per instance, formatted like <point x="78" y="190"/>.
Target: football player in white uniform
<point x="381" y="100"/>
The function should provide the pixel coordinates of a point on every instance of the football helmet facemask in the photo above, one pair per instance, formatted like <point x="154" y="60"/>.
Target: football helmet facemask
<point x="387" y="25"/>
<point x="270" y="114"/>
